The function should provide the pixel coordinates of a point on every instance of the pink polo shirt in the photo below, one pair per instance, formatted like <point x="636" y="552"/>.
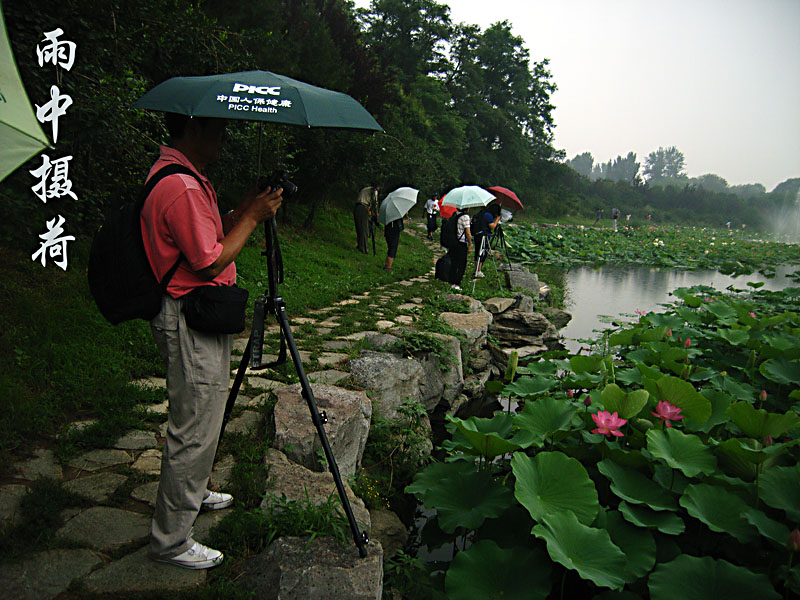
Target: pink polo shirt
<point x="178" y="217"/>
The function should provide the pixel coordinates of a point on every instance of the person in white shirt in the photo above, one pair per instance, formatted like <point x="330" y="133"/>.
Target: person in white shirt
<point x="431" y="208"/>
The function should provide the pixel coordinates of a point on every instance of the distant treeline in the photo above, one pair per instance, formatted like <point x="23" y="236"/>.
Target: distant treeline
<point x="459" y="105"/>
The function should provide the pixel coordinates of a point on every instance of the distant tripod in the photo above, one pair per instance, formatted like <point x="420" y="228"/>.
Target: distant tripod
<point x="500" y="238"/>
<point x="252" y="354"/>
<point x="485" y="247"/>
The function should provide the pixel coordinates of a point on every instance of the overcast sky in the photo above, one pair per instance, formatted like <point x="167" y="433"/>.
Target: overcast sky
<point x="718" y="79"/>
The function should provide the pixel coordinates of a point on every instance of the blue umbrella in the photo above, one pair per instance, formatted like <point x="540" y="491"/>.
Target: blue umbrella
<point x="467" y="196"/>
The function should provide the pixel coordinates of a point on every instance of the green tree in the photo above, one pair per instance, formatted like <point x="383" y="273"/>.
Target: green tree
<point x="711" y="182"/>
<point x="665" y="163"/>
<point x="582" y="163"/>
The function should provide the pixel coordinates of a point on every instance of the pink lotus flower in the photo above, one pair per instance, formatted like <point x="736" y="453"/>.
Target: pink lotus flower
<point x="666" y="411"/>
<point x="640" y="312"/>
<point x="687" y="343"/>
<point x="608" y="423"/>
<point x="752" y="314"/>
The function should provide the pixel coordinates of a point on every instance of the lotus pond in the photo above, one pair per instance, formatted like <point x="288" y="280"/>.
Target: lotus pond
<point x="663" y="464"/>
<point x="686" y="248"/>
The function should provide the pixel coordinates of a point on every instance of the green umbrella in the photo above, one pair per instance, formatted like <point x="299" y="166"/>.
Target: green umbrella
<point x="258" y="96"/>
<point x="397" y="204"/>
<point x="20" y="131"/>
<point x="467" y="196"/>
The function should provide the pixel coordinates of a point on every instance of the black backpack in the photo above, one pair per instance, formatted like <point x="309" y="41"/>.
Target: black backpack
<point x="448" y="237"/>
<point x="476" y="225"/>
<point x="120" y="277"/>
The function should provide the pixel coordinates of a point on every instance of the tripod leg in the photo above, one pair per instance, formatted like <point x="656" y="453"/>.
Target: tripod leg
<point x="237" y="383"/>
<point x="360" y="538"/>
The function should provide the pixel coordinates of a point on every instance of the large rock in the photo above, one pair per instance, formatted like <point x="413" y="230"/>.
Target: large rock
<point x="441" y="382"/>
<point x="389" y="530"/>
<point x="516" y="328"/>
<point x="349" y="413"/>
<point x="559" y="318"/>
<point x="523" y="279"/>
<point x="473" y="304"/>
<point x="295" y="482"/>
<point x="498" y="305"/>
<point x="390" y="377"/>
<point x="291" y="568"/>
<point x="474" y="326"/>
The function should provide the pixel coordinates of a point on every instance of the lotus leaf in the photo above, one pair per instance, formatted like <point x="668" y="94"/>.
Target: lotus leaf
<point x="769" y="528"/>
<point x="720" y="401"/>
<point x="758" y="423"/>
<point x="625" y="405"/>
<point x="735" y="337"/>
<point x="586" y="364"/>
<point x="719" y="509"/>
<point x="704" y="578"/>
<point x="638" y="545"/>
<point x="666" y="522"/>
<point x="634" y="487"/>
<point x="461" y="496"/>
<point x="541" y="418"/>
<point x="486" y="570"/>
<point x="587" y="550"/>
<point x="780" y="488"/>
<point x="781" y="370"/>
<point x="552" y="482"/>
<point x="683" y="395"/>
<point x="681" y="451"/>
<point x="486" y="437"/>
<point x="527" y="387"/>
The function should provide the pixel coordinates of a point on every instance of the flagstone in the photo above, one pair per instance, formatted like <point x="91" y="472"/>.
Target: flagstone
<point x="10" y="498"/>
<point x="146" y="493"/>
<point x="46" y="574"/>
<point x="330" y="376"/>
<point x="94" y="460"/>
<point x="105" y="528"/>
<point x="43" y="465"/>
<point x="149" y="462"/>
<point x="328" y="359"/>
<point x="97" y="487"/>
<point x="135" y="574"/>
<point x="137" y="440"/>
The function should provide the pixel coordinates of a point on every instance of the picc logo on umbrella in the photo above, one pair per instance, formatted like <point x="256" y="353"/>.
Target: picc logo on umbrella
<point x="264" y="90"/>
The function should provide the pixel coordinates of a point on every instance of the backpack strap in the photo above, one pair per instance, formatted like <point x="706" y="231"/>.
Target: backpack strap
<point x="172" y="169"/>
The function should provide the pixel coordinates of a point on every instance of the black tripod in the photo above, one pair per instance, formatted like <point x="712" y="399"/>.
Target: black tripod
<point x="499" y="237"/>
<point x="272" y="302"/>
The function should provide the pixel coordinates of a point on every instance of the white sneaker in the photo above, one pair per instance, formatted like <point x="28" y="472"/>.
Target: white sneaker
<point x="216" y="501"/>
<point x="480" y="275"/>
<point x="456" y="287"/>
<point x="196" y="557"/>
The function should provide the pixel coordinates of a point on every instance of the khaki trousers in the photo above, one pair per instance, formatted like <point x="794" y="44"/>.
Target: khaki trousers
<point x="198" y="374"/>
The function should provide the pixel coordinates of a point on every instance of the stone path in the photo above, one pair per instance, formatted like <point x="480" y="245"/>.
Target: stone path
<point x="105" y="545"/>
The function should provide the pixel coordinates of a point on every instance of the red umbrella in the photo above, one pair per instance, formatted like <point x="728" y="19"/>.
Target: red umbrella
<point x="505" y="197"/>
<point x="446" y="211"/>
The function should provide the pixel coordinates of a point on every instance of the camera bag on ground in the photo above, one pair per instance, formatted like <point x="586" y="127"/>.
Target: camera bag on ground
<point x="448" y="237"/>
<point x="442" y="272"/>
<point x="120" y="277"/>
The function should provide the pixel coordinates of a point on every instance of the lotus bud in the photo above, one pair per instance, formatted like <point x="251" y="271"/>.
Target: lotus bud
<point x="793" y="543"/>
<point x="762" y="396"/>
<point x="768" y="440"/>
<point x="587" y="401"/>
<point x="570" y="394"/>
<point x="687" y="343"/>
<point x="669" y="333"/>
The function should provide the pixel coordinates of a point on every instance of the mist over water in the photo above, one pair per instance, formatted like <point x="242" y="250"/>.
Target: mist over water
<point x="786" y="222"/>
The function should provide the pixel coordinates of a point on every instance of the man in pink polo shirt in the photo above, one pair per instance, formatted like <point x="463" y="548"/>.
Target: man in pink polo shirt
<point x="181" y="219"/>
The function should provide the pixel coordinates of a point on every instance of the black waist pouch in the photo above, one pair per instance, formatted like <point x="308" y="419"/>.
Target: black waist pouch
<point x="216" y="308"/>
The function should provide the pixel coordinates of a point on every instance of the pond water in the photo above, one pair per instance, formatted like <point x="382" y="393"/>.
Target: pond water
<point x="613" y="290"/>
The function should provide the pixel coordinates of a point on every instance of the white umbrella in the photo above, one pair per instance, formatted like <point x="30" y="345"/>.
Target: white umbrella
<point x="397" y="204"/>
<point x="467" y="196"/>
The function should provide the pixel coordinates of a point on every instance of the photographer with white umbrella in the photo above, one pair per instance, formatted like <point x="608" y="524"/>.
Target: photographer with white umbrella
<point x="391" y="212"/>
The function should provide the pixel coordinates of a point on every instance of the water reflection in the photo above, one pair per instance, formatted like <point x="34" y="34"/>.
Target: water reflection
<point x="612" y="290"/>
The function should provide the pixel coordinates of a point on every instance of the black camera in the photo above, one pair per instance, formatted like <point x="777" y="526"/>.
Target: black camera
<point x="278" y="179"/>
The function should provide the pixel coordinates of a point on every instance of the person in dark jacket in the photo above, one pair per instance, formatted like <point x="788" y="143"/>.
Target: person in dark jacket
<point x="391" y="231"/>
